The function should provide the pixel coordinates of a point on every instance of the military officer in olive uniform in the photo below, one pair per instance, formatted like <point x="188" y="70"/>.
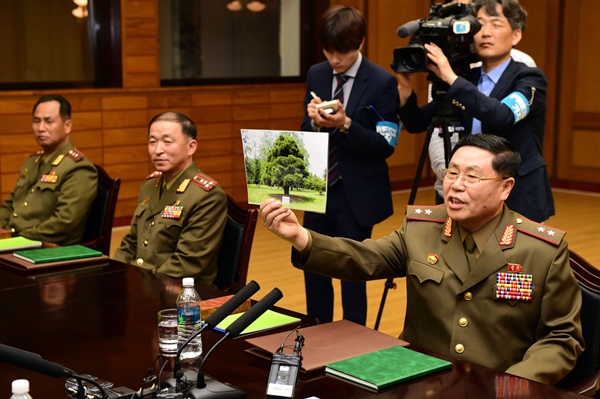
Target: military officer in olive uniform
<point x="483" y="283"/>
<point x="178" y="224"/>
<point x="56" y="185"/>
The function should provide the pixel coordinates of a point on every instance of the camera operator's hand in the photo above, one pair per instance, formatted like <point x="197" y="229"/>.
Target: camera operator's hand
<point x="322" y="118"/>
<point x="439" y="64"/>
<point x="405" y="88"/>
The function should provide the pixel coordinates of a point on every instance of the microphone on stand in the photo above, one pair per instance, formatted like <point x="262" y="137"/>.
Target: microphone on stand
<point x="34" y="362"/>
<point x="207" y="387"/>
<point x="215" y="318"/>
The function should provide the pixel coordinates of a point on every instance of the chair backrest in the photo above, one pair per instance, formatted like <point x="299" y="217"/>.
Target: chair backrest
<point x="585" y="377"/>
<point x="232" y="271"/>
<point x="98" y="228"/>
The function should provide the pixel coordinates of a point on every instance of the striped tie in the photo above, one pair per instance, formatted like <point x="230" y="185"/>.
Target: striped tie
<point x="333" y="167"/>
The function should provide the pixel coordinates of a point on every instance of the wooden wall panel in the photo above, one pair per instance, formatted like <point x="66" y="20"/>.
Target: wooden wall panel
<point x="110" y="125"/>
<point x="578" y="143"/>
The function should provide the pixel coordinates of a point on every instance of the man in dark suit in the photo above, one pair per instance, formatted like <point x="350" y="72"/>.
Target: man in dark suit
<point x="503" y="97"/>
<point x="363" y="133"/>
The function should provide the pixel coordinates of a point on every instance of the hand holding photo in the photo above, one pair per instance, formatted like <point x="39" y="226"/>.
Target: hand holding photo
<point x="288" y="166"/>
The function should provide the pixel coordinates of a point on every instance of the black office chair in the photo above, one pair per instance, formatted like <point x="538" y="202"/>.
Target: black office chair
<point x="585" y="377"/>
<point x="234" y="257"/>
<point x="98" y="228"/>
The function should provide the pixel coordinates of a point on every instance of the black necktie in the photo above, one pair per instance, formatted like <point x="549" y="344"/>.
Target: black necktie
<point x="333" y="166"/>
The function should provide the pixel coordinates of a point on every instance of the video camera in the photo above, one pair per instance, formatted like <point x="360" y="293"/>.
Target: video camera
<point x="450" y="26"/>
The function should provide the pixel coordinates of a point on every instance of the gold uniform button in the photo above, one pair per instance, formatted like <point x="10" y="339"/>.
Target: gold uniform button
<point x="33" y="189"/>
<point x="25" y="203"/>
<point x="145" y="243"/>
<point x="463" y="322"/>
<point x="468" y="296"/>
<point x="519" y="220"/>
<point x="139" y="261"/>
<point x="459" y="348"/>
<point x="15" y="214"/>
<point x="152" y="223"/>
<point x="12" y="230"/>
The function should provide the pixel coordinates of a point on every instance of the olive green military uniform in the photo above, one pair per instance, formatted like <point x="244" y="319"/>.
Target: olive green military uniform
<point x="52" y="198"/>
<point x="179" y="233"/>
<point x="531" y="329"/>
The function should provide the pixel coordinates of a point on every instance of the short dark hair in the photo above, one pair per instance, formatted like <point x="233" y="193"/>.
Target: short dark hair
<point x="512" y="10"/>
<point x="342" y="29"/>
<point x="65" y="106"/>
<point x="506" y="160"/>
<point x="188" y="127"/>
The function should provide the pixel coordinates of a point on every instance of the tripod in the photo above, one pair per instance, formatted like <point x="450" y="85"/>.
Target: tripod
<point x="446" y="122"/>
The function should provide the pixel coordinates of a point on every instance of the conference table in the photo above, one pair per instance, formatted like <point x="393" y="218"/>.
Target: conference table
<point x="102" y="320"/>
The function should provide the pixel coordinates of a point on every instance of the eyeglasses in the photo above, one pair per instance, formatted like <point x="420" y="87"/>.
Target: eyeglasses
<point x="451" y="175"/>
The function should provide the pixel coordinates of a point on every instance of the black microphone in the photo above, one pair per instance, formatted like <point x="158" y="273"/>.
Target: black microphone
<point x="408" y="28"/>
<point x="211" y="388"/>
<point x="31" y="361"/>
<point x="34" y="362"/>
<point x="254" y="313"/>
<point x="225" y="310"/>
<point x="212" y="321"/>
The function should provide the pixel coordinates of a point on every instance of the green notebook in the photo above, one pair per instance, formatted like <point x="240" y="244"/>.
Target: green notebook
<point x="386" y="367"/>
<point x="57" y="254"/>
<point x="15" y="243"/>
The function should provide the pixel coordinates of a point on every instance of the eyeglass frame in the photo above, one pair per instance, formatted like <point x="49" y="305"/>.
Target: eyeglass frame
<point x="444" y="173"/>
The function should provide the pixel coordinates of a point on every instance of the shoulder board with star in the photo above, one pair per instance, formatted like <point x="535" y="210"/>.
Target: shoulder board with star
<point x="204" y="182"/>
<point x="76" y="155"/>
<point x="154" y="175"/>
<point x="541" y="231"/>
<point x="427" y="213"/>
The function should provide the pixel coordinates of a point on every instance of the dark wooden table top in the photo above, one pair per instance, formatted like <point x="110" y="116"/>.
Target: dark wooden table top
<point x="103" y="322"/>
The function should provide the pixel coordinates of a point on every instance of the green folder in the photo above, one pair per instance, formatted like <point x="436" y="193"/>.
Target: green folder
<point x="386" y="367"/>
<point x="57" y="254"/>
<point x="269" y="319"/>
<point x="15" y="243"/>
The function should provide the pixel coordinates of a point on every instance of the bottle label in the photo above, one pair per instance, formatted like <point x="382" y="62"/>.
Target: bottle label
<point x="188" y="314"/>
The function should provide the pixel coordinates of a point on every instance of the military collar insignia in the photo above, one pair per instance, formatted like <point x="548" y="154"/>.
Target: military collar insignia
<point x="183" y="186"/>
<point x="58" y="159"/>
<point x="448" y="227"/>
<point x="508" y="236"/>
<point x="154" y="175"/>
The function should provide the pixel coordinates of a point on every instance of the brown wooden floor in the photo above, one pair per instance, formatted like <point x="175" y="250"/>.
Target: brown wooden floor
<point x="577" y="212"/>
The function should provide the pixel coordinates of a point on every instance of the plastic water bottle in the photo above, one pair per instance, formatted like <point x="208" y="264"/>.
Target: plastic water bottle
<point x="20" y="389"/>
<point x="188" y="322"/>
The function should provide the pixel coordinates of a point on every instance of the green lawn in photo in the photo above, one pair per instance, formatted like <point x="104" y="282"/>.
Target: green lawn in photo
<point x="305" y="200"/>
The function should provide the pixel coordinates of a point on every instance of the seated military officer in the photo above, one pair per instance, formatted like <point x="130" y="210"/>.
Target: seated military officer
<point x="483" y="283"/>
<point x="178" y="224"/>
<point x="56" y="185"/>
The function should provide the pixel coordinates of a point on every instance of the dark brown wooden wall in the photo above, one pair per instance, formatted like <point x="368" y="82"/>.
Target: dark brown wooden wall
<point x="110" y="125"/>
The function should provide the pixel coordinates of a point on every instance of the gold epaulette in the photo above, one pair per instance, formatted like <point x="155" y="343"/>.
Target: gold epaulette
<point x="76" y="155"/>
<point x="541" y="231"/>
<point x="204" y="182"/>
<point x="154" y="175"/>
<point x="427" y="213"/>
